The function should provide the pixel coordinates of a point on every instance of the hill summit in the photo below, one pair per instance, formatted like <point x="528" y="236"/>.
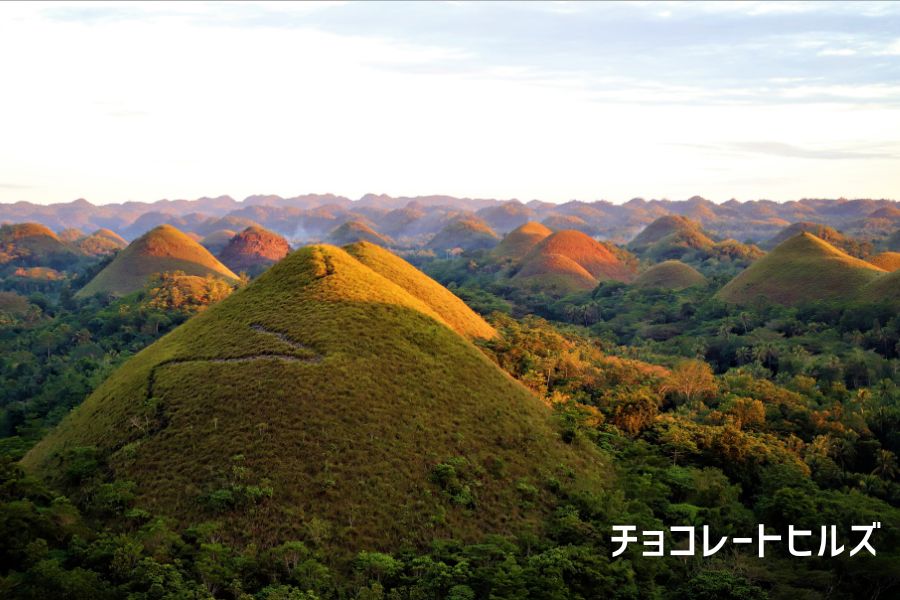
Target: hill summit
<point x="162" y="249"/>
<point x="468" y="233"/>
<point x="327" y="401"/>
<point x="357" y="231"/>
<point x="519" y="242"/>
<point x="671" y="275"/>
<point x="802" y="269"/>
<point x="33" y="245"/>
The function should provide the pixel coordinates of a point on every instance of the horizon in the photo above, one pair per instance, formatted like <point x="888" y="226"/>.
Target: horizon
<point x="121" y="102"/>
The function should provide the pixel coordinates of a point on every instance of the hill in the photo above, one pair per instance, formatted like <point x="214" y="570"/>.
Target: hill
<point x="33" y="245"/>
<point x="889" y="261"/>
<point x="823" y="232"/>
<point x="163" y="249"/>
<point x="602" y="261"/>
<point x="357" y="231"/>
<point x="323" y="403"/>
<point x="519" y="242"/>
<point x="671" y="229"/>
<point x="802" y="269"/>
<point x="254" y="250"/>
<point x="468" y="233"/>
<point x="554" y="273"/>
<point x="102" y="242"/>
<point x="216" y="241"/>
<point x="671" y="274"/>
<point x="451" y="309"/>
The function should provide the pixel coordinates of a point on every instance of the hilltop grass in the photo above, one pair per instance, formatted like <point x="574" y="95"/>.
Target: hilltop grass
<point x="671" y="274"/>
<point x="356" y="231"/>
<point x="345" y="441"/>
<point x="442" y="301"/>
<point x="163" y="249"/>
<point x="802" y="269"/>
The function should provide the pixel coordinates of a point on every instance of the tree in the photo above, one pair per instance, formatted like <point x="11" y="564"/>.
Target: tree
<point x="691" y="380"/>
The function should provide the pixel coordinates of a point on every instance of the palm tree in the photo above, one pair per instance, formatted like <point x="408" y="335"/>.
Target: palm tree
<point x="886" y="464"/>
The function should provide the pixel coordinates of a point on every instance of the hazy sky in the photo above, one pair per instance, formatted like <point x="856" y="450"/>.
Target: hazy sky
<point x="553" y="101"/>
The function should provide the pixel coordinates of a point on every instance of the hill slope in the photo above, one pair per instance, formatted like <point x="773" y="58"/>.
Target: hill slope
<point x="671" y="274"/>
<point x="889" y="261"/>
<point x="159" y="250"/>
<point x="216" y="241"/>
<point x="254" y="250"/>
<point x="802" y="269"/>
<point x="101" y="243"/>
<point x="884" y="288"/>
<point x="519" y="242"/>
<point x="371" y="424"/>
<point x="357" y="231"/>
<point x="451" y="309"/>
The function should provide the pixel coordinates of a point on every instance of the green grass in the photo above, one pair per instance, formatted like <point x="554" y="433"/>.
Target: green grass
<point x="347" y="437"/>
<point x="802" y="269"/>
<point x="671" y="274"/>
<point x="518" y="242"/>
<point x="884" y="288"/>
<point x="161" y="249"/>
<point x="32" y="244"/>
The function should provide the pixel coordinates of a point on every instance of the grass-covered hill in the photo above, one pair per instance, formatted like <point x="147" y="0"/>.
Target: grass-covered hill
<point x="602" y="261"/>
<point x="101" y="243"/>
<point x="163" y="249"/>
<point x="33" y="245"/>
<point x="254" y="250"/>
<point x="670" y="229"/>
<point x="216" y="241"/>
<point x="554" y="273"/>
<point x="889" y="261"/>
<point x="323" y="403"/>
<point x="357" y="231"/>
<point x="802" y="269"/>
<point x="519" y="242"/>
<point x="671" y="274"/>
<point x="677" y="237"/>
<point x="442" y="301"/>
<point x="468" y="233"/>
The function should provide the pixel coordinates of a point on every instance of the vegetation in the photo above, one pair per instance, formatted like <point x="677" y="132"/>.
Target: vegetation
<point x="670" y="274"/>
<point x="518" y="243"/>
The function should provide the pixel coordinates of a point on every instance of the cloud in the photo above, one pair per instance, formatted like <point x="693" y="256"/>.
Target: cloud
<point x="791" y="151"/>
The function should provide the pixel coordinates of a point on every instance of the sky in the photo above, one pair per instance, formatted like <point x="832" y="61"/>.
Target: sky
<point x="553" y="101"/>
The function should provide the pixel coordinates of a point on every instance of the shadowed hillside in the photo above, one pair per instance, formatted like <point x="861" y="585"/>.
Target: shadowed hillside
<point x="163" y="249"/>
<point x="323" y="400"/>
<point x="217" y="240"/>
<point x="671" y="274"/>
<point x="884" y="288"/>
<point x="101" y="243"/>
<point x="802" y="269"/>
<point x="33" y="245"/>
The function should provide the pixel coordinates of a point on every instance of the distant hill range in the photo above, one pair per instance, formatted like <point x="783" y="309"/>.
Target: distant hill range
<point x="414" y="221"/>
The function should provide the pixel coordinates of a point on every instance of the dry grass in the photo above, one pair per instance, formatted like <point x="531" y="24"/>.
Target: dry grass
<point x="32" y="244"/>
<point x="802" y="269"/>
<point x="161" y="249"/>
<point x="889" y="261"/>
<point x="593" y="256"/>
<point x="347" y="442"/>
<point x="468" y="234"/>
<point x="356" y="231"/>
<point x="555" y="272"/>
<point x="671" y="274"/>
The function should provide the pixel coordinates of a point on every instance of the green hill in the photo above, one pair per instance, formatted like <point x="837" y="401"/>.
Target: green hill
<point x="671" y="274"/>
<point x="254" y="250"/>
<point x="357" y="231"/>
<point x="802" y="269"/>
<point x="451" y="309"/>
<point x="323" y="403"/>
<point x="884" y="288"/>
<point x="468" y="233"/>
<point x="161" y="249"/>
<point x="519" y="242"/>
<point x="33" y="245"/>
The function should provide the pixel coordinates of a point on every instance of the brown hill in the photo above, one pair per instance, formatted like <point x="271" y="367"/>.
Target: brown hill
<point x="467" y="233"/>
<point x="597" y="258"/>
<point x="216" y="241"/>
<point x="554" y="273"/>
<point x="254" y="250"/>
<point x="33" y="245"/>
<point x="357" y="231"/>
<point x="101" y="243"/>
